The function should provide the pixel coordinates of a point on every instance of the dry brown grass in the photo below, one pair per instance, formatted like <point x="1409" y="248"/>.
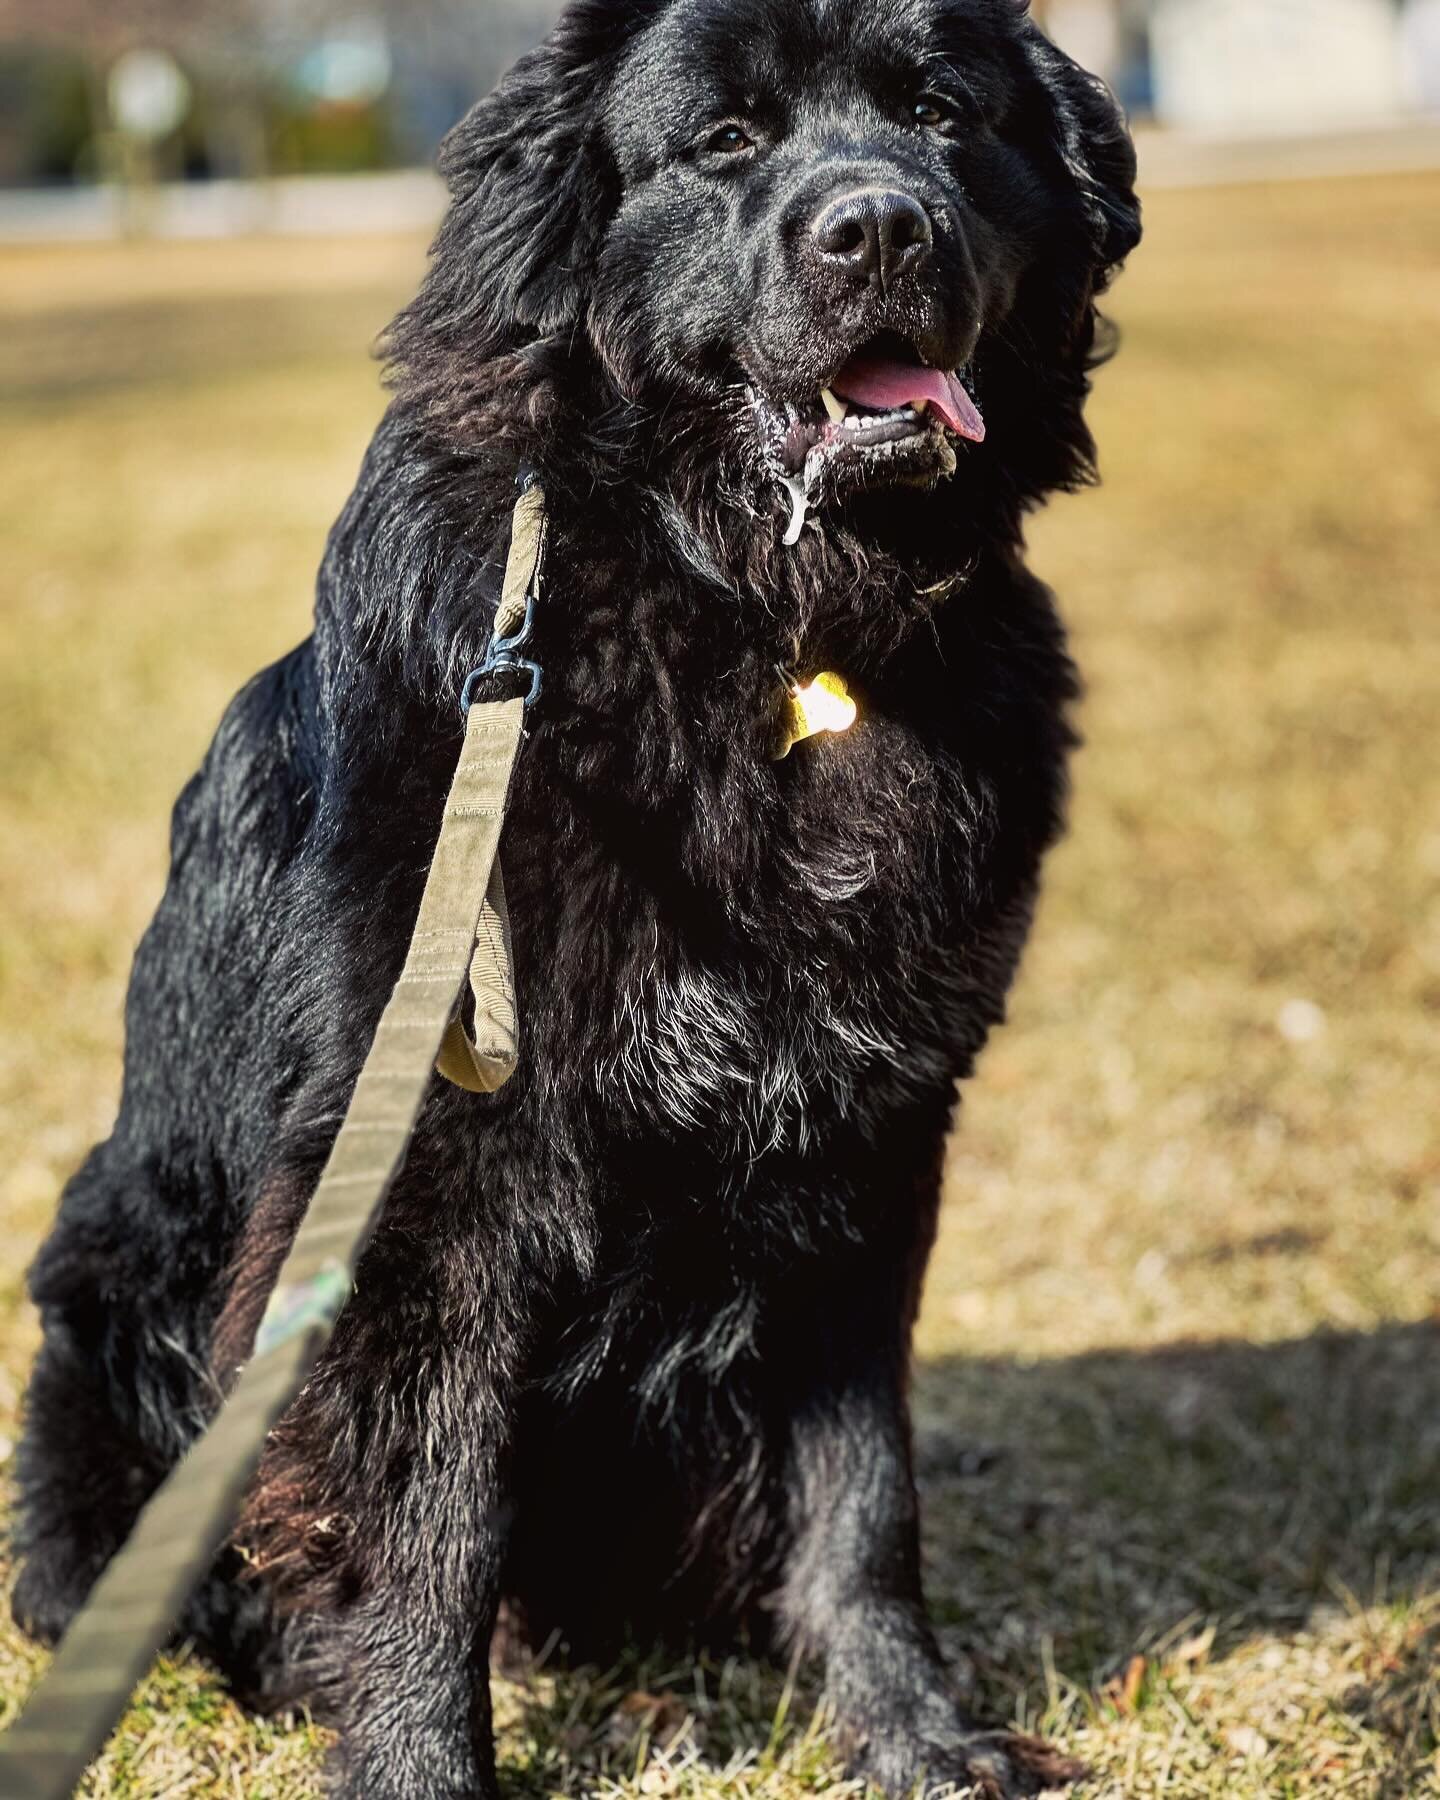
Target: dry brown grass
<point x="1179" y="1391"/>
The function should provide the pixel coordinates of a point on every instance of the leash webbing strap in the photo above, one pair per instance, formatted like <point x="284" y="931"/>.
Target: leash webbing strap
<point x="461" y="929"/>
<point x="527" y="552"/>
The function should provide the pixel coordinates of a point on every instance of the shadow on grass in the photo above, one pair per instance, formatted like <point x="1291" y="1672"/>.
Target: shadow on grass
<point x="1083" y="1511"/>
<point x="1126" y="1491"/>
<point x="1133" y="1498"/>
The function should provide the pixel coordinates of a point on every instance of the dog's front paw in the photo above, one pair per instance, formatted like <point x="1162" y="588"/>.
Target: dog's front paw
<point x="988" y="1765"/>
<point x="48" y="1592"/>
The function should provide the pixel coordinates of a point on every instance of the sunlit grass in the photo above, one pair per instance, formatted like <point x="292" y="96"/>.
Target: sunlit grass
<point x="1179" y="1396"/>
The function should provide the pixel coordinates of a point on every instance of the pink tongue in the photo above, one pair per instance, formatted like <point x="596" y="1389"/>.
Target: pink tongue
<point x="871" y="381"/>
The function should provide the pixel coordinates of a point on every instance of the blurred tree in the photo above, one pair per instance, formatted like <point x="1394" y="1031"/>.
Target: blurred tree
<point x="46" y="106"/>
<point x="217" y="40"/>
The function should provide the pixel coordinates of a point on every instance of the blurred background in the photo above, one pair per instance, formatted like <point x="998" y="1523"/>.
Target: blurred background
<point x="1178" y="1391"/>
<point x="188" y="116"/>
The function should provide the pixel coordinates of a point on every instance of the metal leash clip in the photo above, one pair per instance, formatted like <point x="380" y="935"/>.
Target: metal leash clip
<point x="503" y="658"/>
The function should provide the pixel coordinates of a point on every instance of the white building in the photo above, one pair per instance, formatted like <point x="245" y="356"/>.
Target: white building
<point x="1250" y="66"/>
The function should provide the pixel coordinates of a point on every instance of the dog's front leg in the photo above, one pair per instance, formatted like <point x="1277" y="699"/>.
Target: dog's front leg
<point x="400" y="1449"/>
<point x="852" y="1591"/>
<point x="414" y="1695"/>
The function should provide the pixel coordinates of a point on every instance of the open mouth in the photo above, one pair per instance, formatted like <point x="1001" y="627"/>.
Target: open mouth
<point x="884" y="415"/>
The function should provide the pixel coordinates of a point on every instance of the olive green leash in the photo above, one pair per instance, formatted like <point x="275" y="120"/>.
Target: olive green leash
<point x="462" y="931"/>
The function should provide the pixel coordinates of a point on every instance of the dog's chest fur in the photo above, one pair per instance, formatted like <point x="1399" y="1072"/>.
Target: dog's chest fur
<point x="713" y="946"/>
<point x="756" y="952"/>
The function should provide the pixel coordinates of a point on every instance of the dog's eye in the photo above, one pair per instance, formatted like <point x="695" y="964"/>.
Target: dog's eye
<point x="729" y="140"/>
<point x="934" y="112"/>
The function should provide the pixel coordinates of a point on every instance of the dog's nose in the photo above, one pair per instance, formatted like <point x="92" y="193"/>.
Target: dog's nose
<point x="876" y="233"/>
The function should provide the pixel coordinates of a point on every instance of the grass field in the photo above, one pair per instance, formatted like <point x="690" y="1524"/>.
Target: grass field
<point x="1179" y="1381"/>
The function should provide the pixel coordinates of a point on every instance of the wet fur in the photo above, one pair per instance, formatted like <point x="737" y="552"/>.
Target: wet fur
<point x="629" y="1350"/>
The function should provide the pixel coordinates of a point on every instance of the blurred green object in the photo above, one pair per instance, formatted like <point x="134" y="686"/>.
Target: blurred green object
<point x="308" y="136"/>
<point x="48" y="114"/>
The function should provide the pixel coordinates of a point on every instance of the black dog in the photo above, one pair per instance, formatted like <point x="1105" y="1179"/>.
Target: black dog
<point x="629" y="1352"/>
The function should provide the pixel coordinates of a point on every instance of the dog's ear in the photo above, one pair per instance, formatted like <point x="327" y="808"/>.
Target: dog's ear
<point x="1035" y="374"/>
<point x="531" y="186"/>
<point x="532" y="190"/>
<point x="1091" y="139"/>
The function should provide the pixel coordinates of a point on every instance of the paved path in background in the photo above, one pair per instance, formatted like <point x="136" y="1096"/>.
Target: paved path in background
<point x="1192" y="159"/>
<point x="412" y="200"/>
<point x="291" y="206"/>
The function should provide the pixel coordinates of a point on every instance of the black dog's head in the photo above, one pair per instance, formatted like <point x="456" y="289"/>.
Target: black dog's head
<point x="857" y="242"/>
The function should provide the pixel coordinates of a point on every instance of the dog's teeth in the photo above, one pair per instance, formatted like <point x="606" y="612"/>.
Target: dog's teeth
<point x="921" y="406"/>
<point x="799" y="505"/>
<point x="835" y="406"/>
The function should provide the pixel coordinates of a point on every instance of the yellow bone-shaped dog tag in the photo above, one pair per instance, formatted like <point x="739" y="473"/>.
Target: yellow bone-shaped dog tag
<point x="823" y="704"/>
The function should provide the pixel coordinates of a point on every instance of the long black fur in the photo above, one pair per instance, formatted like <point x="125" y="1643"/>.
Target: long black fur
<point x="629" y="1351"/>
